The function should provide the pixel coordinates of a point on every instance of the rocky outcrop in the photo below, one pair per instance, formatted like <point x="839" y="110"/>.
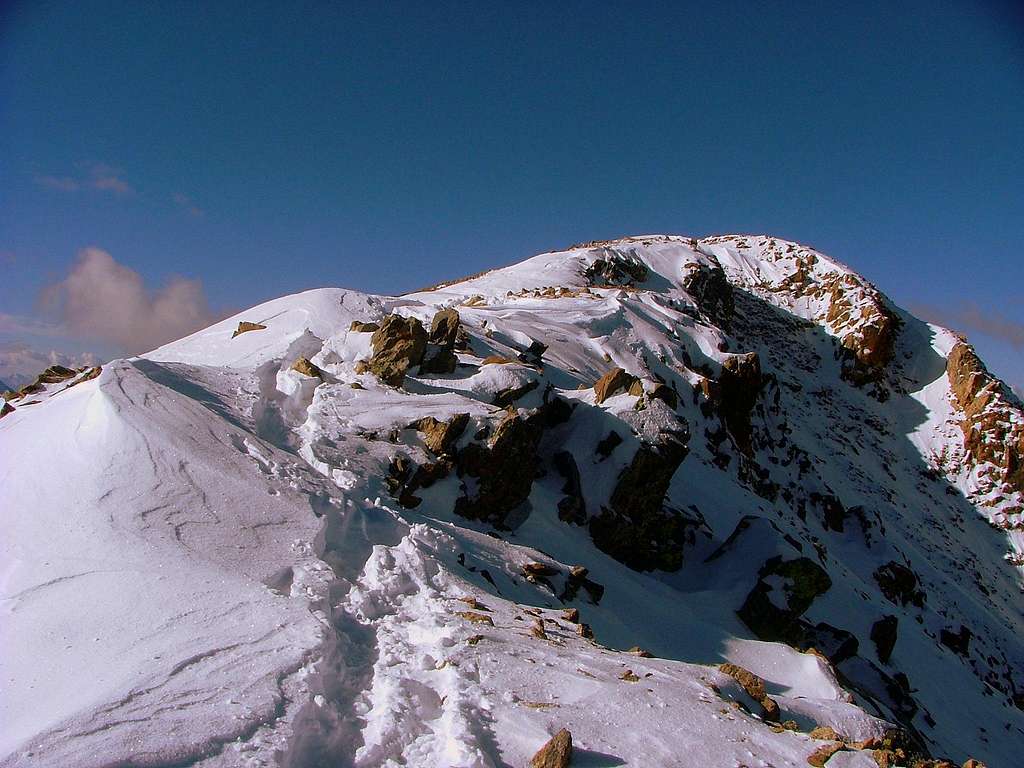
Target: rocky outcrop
<point x="616" y="269"/>
<point x="883" y="635"/>
<point x="245" y="326"/>
<point x="55" y="374"/>
<point x="5" y="409"/>
<point x="865" y="326"/>
<point x="397" y="345"/>
<point x="556" y="753"/>
<point x="737" y="391"/>
<point x="803" y="580"/>
<point x="571" y="508"/>
<point x="754" y="688"/>
<point x="358" y="326"/>
<point x="503" y="470"/>
<point x="440" y="436"/>
<point x="444" y="328"/>
<point x="993" y="427"/>
<point x="306" y="368"/>
<point x="899" y="584"/>
<point x="636" y="528"/>
<point x="613" y="382"/>
<point x="710" y="288"/>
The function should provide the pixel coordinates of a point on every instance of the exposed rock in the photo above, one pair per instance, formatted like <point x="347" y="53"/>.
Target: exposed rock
<point x="55" y="374"/>
<point x="629" y="676"/>
<point x="504" y="470"/>
<point x="306" y="368"/>
<point x="360" y="327"/>
<point x="498" y="360"/>
<point x="572" y="615"/>
<point x="710" y="288"/>
<point x="666" y="394"/>
<point x="538" y="569"/>
<point x="476" y="618"/>
<point x="571" y="508"/>
<point x="738" y="388"/>
<point x="636" y="528"/>
<point x="636" y="650"/>
<point x="865" y="325"/>
<point x="608" y="443"/>
<point x="883" y="635"/>
<point x="899" y="584"/>
<point x="636" y="389"/>
<point x="556" y="753"/>
<point x="437" y="359"/>
<point x="533" y="354"/>
<point x="992" y="426"/>
<point x="397" y="345"/>
<point x="584" y="631"/>
<point x="5" y="409"/>
<point x="440" y="436"/>
<point x="754" y="686"/>
<point x="444" y="328"/>
<point x="244" y="327"/>
<point x="613" y="382"/>
<point x="803" y="579"/>
<point x="958" y="642"/>
<point x="616" y="269"/>
<point x="505" y="397"/>
<point x="821" y="755"/>
<point x="825" y="733"/>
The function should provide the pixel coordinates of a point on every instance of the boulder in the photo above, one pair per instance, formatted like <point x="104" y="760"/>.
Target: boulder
<point x="504" y="470"/>
<point x="883" y="635"/>
<point x="635" y="528"/>
<point x="803" y="581"/>
<point x="616" y="269"/>
<point x="437" y="359"/>
<point x="556" y="753"/>
<point x="738" y="388"/>
<point x="306" y="368"/>
<point x="5" y="409"/>
<point x="397" y="345"/>
<point x="440" y="436"/>
<point x="245" y="326"/>
<point x="613" y="382"/>
<point x="533" y="354"/>
<point x="444" y="328"/>
<point x="607" y="444"/>
<point x="360" y="327"/>
<point x="899" y="584"/>
<point x="505" y="397"/>
<point x="821" y="755"/>
<point x="711" y="291"/>
<point x="754" y="687"/>
<point x="958" y="642"/>
<point x="571" y="508"/>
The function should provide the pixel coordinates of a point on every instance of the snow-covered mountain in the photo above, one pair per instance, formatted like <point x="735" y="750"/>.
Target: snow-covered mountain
<point x="707" y="502"/>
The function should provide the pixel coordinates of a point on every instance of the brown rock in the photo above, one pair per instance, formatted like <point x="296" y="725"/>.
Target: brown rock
<point x="636" y="650"/>
<point x="539" y="569"/>
<point x="438" y="360"/>
<point x="636" y="389"/>
<point x="504" y="470"/>
<point x="397" y="345"/>
<point x="825" y="733"/>
<point x="821" y="755"/>
<point x="629" y="676"/>
<point x="497" y="360"/>
<point x="584" y="631"/>
<point x="710" y="288"/>
<point x="738" y="388"/>
<point x="556" y="753"/>
<point x="613" y="382"/>
<point x="972" y="763"/>
<point x="306" y="368"/>
<point x="440" y="436"/>
<point x="5" y="409"/>
<point x="571" y="615"/>
<point x="444" y="328"/>
<point x="244" y="327"/>
<point x="476" y="618"/>
<point x="361" y="327"/>
<point x="55" y="374"/>
<point x="754" y="687"/>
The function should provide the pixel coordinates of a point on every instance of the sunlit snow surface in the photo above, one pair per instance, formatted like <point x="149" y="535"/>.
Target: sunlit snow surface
<point x="200" y="562"/>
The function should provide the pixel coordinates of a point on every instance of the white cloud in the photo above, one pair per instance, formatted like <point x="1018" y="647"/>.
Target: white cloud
<point x="186" y="203"/>
<point x="103" y="300"/>
<point x="97" y="176"/>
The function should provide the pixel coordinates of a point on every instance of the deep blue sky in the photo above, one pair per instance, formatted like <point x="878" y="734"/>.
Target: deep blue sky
<point x="269" y="147"/>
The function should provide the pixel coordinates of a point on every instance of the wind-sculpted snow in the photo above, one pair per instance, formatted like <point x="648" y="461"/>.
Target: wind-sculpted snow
<point x="244" y="549"/>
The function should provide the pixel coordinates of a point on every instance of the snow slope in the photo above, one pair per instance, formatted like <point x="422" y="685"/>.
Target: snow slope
<point x="208" y="560"/>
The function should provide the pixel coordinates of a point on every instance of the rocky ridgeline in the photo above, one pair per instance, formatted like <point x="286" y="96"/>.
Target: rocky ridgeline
<point x="993" y="429"/>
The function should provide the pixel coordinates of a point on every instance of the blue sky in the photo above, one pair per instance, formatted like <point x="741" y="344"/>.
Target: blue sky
<point x="264" y="148"/>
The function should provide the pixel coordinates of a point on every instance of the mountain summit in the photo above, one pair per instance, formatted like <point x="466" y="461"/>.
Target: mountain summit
<point x="697" y="502"/>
